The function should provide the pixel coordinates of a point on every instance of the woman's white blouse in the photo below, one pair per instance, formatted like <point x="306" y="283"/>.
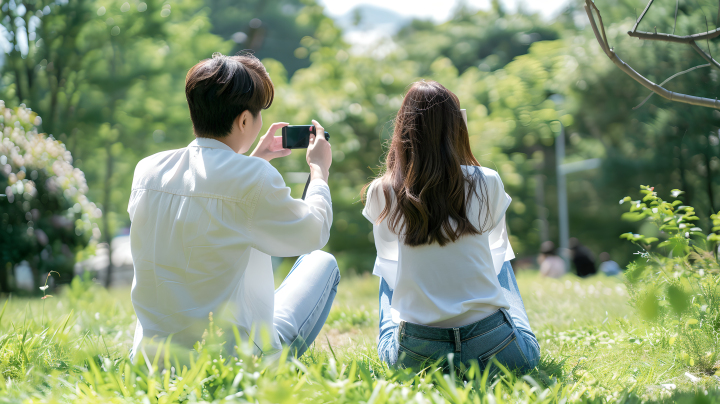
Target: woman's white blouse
<point x="448" y="286"/>
<point x="205" y="221"/>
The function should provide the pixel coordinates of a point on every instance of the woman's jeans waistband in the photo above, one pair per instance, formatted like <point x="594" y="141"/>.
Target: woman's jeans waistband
<point x="453" y="335"/>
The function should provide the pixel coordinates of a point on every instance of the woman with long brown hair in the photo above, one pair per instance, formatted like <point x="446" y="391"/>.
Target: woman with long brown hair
<point x="438" y="217"/>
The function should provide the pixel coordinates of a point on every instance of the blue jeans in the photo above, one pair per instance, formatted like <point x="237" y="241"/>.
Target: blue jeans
<point x="303" y="300"/>
<point x="504" y="335"/>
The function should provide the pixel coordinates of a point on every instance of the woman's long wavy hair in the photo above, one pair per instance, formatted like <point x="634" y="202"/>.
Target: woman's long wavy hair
<point x="423" y="170"/>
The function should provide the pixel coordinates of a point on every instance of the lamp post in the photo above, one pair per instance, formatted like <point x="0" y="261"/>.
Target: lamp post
<point x="562" y="170"/>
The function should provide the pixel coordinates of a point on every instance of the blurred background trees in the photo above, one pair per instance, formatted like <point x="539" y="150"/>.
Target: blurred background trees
<point x="107" y="78"/>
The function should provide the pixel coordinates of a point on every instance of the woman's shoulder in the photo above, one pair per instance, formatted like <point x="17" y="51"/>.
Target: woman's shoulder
<point x="374" y="188"/>
<point x="374" y="200"/>
<point x="487" y="174"/>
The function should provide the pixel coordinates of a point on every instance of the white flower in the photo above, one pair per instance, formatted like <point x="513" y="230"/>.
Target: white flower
<point x="44" y="287"/>
<point x="687" y="234"/>
<point x="655" y="210"/>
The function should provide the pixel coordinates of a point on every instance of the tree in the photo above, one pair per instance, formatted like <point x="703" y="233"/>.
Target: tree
<point x="487" y="40"/>
<point x="45" y="214"/>
<point x="112" y="73"/>
<point x="271" y="28"/>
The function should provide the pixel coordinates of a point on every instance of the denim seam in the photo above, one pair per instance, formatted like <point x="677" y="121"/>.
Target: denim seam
<point x="327" y="288"/>
<point x="427" y="339"/>
<point x="515" y="330"/>
<point x="449" y="341"/>
<point x="497" y="350"/>
<point x="458" y="344"/>
<point x="485" y="333"/>
<point x="412" y="353"/>
<point x="527" y="362"/>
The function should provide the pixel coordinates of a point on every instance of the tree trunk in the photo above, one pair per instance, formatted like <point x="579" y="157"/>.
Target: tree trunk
<point x="106" y="208"/>
<point x="683" y="179"/>
<point x="4" y="283"/>
<point x="709" y="177"/>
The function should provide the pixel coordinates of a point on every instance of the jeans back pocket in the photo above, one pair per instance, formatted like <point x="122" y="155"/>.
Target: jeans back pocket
<point x="507" y="353"/>
<point x="417" y="353"/>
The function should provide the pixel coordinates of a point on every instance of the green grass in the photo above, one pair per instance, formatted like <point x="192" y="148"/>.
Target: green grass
<point x="593" y="350"/>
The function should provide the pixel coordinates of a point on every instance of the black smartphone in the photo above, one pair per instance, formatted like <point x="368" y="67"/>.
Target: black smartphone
<point x="298" y="136"/>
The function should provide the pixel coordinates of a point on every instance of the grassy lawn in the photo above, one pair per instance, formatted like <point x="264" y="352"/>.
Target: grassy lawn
<point x="593" y="350"/>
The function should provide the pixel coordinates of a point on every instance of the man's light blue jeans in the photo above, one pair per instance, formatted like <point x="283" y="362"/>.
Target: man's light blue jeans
<point x="303" y="300"/>
<point x="504" y="335"/>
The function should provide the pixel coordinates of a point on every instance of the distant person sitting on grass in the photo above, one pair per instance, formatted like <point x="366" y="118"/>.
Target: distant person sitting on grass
<point x="446" y="285"/>
<point x="206" y="219"/>
<point x="608" y="266"/>
<point x="582" y="258"/>
<point x="551" y="265"/>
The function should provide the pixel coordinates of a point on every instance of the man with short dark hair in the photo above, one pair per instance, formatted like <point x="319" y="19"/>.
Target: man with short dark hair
<point x="206" y="219"/>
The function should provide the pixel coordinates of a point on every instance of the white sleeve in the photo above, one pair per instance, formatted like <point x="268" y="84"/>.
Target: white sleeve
<point x="386" y="242"/>
<point x="287" y="227"/>
<point x="500" y="247"/>
<point x="498" y="200"/>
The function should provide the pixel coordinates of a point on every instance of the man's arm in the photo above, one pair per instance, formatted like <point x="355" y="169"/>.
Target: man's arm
<point x="287" y="227"/>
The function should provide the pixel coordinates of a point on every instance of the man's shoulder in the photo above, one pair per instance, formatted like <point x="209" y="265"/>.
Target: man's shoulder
<point x="157" y="157"/>
<point x="214" y="172"/>
<point x="152" y="164"/>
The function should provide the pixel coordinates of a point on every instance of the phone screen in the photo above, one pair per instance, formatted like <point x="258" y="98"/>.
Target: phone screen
<point x="296" y="136"/>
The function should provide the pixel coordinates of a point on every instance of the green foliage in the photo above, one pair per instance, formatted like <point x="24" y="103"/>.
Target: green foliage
<point x="107" y="76"/>
<point x="676" y="283"/>
<point x="487" y="40"/>
<point x="114" y="99"/>
<point x="45" y="214"/>
<point x="278" y="29"/>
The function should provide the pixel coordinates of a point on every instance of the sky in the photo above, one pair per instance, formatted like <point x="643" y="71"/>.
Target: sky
<point x="440" y="10"/>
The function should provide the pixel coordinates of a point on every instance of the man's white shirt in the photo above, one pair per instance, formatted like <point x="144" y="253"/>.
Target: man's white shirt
<point x="205" y="221"/>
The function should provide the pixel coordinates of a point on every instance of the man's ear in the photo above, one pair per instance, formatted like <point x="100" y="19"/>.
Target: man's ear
<point x="243" y="121"/>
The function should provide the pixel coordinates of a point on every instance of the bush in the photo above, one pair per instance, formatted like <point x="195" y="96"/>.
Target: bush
<point x="45" y="215"/>
<point x="676" y="280"/>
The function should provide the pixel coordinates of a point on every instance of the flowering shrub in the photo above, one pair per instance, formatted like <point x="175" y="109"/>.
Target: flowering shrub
<point x="676" y="280"/>
<point x="45" y="215"/>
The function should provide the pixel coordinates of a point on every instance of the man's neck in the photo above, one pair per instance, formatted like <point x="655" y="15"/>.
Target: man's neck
<point x="234" y="142"/>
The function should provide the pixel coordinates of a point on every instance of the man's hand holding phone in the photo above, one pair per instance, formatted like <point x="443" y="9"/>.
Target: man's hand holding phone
<point x="319" y="154"/>
<point x="270" y="146"/>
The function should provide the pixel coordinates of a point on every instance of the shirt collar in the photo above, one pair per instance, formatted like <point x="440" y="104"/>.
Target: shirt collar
<point x="210" y="144"/>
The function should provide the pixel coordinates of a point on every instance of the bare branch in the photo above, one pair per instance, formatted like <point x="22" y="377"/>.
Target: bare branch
<point x="707" y="27"/>
<point x="600" y="40"/>
<point x="659" y="90"/>
<point x="641" y="15"/>
<point x="704" y="54"/>
<point x="604" y="41"/>
<point x="674" y="38"/>
<point x="670" y="78"/>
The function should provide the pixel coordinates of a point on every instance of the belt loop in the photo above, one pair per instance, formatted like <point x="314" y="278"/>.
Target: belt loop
<point x="401" y="330"/>
<point x="457" y="339"/>
<point x="508" y="318"/>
